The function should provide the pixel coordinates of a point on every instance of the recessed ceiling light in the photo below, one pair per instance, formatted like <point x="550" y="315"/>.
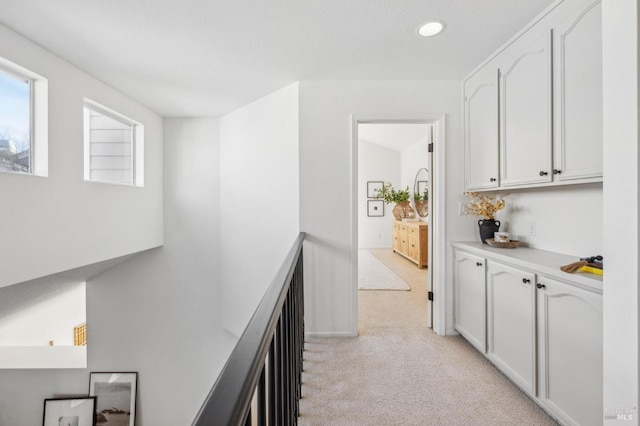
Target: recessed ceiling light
<point x="431" y="28"/>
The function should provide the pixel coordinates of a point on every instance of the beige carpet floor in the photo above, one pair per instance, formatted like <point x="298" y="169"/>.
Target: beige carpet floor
<point x="397" y="372"/>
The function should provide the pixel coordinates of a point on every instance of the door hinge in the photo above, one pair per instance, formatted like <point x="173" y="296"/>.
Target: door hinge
<point x="431" y="147"/>
<point x="430" y="296"/>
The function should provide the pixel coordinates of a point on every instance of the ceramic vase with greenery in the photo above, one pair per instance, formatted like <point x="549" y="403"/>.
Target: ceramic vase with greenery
<point x="389" y="194"/>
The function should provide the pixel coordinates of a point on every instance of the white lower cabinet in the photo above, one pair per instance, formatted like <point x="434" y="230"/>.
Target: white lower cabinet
<point x="570" y="352"/>
<point x="511" y="323"/>
<point x="544" y="334"/>
<point x="470" y="295"/>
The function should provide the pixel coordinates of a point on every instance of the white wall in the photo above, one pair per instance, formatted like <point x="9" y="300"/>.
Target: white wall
<point x="375" y="163"/>
<point x="259" y="201"/>
<point x="568" y="219"/>
<point x="413" y="158"/>
<point x="325" y="182"/>
<point x="61" y="222"/>
<point x="158" y="313"/>
<point x="621" y="252"/>
<point x="41" y="319"/>
<point x="164" y="307"/>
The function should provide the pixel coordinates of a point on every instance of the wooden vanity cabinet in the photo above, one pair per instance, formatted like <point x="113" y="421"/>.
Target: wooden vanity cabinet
<point x="410" y="241"/>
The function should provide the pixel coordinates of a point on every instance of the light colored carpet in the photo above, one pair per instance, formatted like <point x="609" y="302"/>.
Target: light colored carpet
<point x="397" y="372"/>
<point x="374" y="275"/>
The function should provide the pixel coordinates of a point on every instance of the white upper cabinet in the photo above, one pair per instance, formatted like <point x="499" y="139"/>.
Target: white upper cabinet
<point x="481" y="129"/>
<point x="526" y="102"/>
<point x="577" y="50"/>
<point x="547" y="105"/>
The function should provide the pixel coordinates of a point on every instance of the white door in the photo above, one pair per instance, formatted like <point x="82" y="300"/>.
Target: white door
<point x="429" y="227"/>
<point x="570" y="352"/>
<point x="481" y="129"/>
<point x="525" y="104"/>
<point x="577" y="46"/>
<point x="511" y="323"/>
<point x="470" y="298"/>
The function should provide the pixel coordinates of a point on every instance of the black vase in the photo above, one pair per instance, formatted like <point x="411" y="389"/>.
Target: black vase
<point x="487" y="228"/>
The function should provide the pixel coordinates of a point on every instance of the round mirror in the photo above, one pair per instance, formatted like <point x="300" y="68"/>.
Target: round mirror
<point x="421" y="192"/>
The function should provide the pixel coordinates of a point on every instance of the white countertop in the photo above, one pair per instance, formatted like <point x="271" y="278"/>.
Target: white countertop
<point x="538" y="261"/>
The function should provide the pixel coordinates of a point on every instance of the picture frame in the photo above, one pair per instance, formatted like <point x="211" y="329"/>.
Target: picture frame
<point x="372" y="187"/>
<point x="423" y="185"/>
<point x="116" y="393"/>
<point x="375" y="208"/>
<point x="79" y="411"/>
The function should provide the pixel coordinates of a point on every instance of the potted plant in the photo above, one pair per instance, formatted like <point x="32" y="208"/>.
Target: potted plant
<point x="421" y="202"/>
<point x="486" y="206"/>
<point x="402" y="209"/>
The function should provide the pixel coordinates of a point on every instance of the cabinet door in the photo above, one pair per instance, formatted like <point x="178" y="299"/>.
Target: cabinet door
<point x="412" y="248"/>
<point x="404" y="243"/>
<point x="511" y="323"/>
<point x="570" y="352"/>
<point x="481" y="129"/>
<point x="577" y="65"/>
<point x="396" y="238"/>
<point x="470" y="298"/>
<point x="525" y="95"/>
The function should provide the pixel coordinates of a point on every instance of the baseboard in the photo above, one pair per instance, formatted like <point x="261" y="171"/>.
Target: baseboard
<point x="328" y="334"/>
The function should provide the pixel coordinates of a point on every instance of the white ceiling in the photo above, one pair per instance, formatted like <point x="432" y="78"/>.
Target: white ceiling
<point x="393" y="136"/>
<point x="208" y="57"/>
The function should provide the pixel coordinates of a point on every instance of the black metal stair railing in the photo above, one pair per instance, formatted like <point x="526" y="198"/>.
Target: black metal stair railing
<point x="261" y="382"/>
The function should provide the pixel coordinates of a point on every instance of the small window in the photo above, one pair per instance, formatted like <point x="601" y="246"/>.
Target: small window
<point x="23" y="120"/>
<point x="113" y="146"/>
<point x="15" y="123"/>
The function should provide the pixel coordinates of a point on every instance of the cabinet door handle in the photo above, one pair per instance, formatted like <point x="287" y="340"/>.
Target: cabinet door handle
<point x="492" y="179"/>
<point x="556" y="171"/>
<point x="543" y="173"/>
<point x="478" y="263"/>
<point x="526" y="280"/>
<point x="541" y="285"/>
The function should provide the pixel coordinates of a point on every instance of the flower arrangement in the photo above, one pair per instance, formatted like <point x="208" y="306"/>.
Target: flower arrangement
<point x="485" y="205"/>
<point x="390" y="195"/>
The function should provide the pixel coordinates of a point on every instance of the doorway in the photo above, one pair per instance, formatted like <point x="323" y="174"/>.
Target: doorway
<point x="396" y="152"/>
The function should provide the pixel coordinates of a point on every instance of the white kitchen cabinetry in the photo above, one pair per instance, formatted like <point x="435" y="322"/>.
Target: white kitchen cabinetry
<point x="577" y="50"/>
<point x="470" y="298"/>
<point x="481" y="129"/>
<point x="526" y="102"/>
<point x="549" y="111"/>
<point x="570" y="352"/>
<point x="543" y="326"/>
<point x="511" y="323"/>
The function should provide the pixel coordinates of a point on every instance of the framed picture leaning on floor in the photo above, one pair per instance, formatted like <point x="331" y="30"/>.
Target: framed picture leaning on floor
<point x="69" y="411"/>
<point x="116" y="397"/>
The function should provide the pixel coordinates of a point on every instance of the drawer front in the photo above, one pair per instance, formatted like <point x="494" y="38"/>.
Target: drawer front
<point x="413" y="230"/>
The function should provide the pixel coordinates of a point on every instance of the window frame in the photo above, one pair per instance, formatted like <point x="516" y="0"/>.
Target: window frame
<point x="38" y="117"/>
<point x="137" y="143"/>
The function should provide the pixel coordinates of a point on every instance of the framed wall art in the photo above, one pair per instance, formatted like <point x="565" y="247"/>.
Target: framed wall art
<point x="372" y="187"/>
<point x="116" y="393"/>
<point x="79" y="411"/>
<point x="375" y="208"/>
